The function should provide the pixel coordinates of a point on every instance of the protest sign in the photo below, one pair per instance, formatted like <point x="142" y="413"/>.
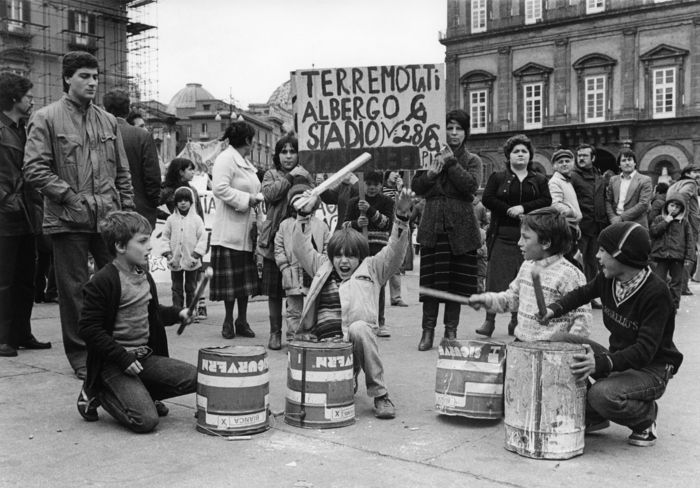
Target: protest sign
<point x="396" y="113"/>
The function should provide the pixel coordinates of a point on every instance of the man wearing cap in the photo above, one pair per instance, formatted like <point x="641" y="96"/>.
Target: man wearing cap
<point x="638" y="311"/>
<point x="687" y="189"/>
<point x="564" y="196"/>
<point x="75" y="158"/>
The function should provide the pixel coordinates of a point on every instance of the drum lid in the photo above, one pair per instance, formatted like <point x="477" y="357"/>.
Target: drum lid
<point x="546" y="346"/>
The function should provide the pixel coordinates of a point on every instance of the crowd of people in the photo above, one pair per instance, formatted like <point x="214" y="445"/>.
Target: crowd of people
<point x="86" y="183"/>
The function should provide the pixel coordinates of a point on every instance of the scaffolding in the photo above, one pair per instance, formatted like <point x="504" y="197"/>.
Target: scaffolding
<point x="35" y="34"/>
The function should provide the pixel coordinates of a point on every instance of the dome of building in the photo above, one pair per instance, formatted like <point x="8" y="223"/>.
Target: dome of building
<point x="282" y="96"/>
<point x="188" y="97"/>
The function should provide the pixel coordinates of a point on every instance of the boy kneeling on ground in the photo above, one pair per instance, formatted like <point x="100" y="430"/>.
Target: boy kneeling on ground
<point x="342" y="298"/>
<point x="122" y="324"/>
<point x="639" y="313"/>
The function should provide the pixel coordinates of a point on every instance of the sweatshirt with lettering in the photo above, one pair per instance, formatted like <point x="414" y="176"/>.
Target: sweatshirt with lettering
<point x="641" y="326"/>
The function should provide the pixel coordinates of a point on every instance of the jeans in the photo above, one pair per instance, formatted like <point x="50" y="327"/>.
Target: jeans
<point x="395" y="287"/>
<point x="431" y="308"/>
<point x="295" y="305"/>
<point x="129" y="399"/>
<point x="190" y="278"/>
<point x="366" y="357"/>
<point x="588" y="245"/>
<point x="70" y="252"/>
<point x="625" y="397"/>
<point x="17" y="260"/>
<point x="674" y="267"/>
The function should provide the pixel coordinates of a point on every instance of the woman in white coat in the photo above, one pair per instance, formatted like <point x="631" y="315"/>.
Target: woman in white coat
<point x="236" y="189"/>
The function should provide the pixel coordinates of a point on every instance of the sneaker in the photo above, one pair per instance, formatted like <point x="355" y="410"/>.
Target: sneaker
<point x="399" y="303"/>
<point x="202" y="313"/>
<point x="87" y="406"/>
<point x="161" y="408"/>
<point x="382" y="331"/>
<point x="383" y="408"/>
<point x="644" y="438"/>
<point x="596" y="426"/>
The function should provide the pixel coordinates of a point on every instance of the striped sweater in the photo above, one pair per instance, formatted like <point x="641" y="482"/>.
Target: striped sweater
<point x="380" y="215"/>
<point x="558" y="278"/>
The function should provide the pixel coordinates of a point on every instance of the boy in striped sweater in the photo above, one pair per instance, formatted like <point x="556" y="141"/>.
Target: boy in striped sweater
<point x="375" y="212"/>
<point x="544" y="238"/>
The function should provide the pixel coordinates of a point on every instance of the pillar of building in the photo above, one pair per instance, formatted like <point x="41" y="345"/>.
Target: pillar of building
<point x="505" y="89"/>
<point x="562" y="81"/>
<point x="695" y="64"/>
<point x="628" y="70"/>
<point x="452" y="82"/>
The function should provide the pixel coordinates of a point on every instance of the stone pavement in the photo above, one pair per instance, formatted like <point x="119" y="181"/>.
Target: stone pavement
<point x="45" y="442"/>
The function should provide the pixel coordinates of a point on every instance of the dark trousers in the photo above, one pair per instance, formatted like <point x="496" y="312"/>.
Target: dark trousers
<point x="70" y="254"/>
<point x="44" y="275"/>
<point x="190" y="285"/>
<point x="674" y="268"/>
<point x="588" y="245"/>
<point x="17" y="255"/>
<point x="129" y="399"/>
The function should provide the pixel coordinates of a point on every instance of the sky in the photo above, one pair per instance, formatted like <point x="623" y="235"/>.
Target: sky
<point x="248" y="47"/>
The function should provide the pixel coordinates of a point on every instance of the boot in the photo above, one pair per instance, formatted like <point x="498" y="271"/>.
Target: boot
<point x="451" y="319"/>
<point x="512" y="324"/>
<point x="426" y="340"/>
<point x="275" y="343"/>
<point x="430" y="313"/>
<point x="243" y="329"/>
<point x="488" y="326"/>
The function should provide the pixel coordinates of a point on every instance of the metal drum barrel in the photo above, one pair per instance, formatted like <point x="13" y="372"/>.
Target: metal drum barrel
<point x="545" y="405"/>
<point x="320" y="389"/>
<point x="469" y="380"/>
<point x="233" y="388"/>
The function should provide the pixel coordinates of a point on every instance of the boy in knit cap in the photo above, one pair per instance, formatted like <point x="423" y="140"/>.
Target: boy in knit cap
<point x="639" y="313"/>
<point x="545" y="237"/>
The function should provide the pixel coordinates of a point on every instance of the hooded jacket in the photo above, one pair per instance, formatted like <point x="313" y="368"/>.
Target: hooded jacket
<point x="182" y="236"/>
<point x="674" y="239"/>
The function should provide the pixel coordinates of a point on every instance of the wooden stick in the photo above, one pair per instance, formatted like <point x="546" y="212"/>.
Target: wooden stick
<point x="361" y="186"/>
<point x="537" y="285"/>
<point x="450" y="297"/>
<point x="336" y="177"/>
<point x="197" y="295"/>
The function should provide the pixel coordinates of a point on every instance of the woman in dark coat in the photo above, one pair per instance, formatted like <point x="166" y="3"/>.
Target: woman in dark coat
<point x="510" y="194"/>
<point x="275" y="186"/>
<point x="448" y="233"/>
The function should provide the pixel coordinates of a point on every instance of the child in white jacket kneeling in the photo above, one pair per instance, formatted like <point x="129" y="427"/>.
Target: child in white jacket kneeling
<point x="295" y="280"/>
<point x="185" y="243"/>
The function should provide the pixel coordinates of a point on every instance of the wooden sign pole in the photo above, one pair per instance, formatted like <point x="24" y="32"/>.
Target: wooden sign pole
<point x="361" y="185"/>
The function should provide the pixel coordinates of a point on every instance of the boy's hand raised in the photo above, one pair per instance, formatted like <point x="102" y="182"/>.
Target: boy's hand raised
<point x="404" y="201"/>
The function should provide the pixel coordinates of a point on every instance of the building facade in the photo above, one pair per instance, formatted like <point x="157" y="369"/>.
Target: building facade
<point x="610" y="73"/>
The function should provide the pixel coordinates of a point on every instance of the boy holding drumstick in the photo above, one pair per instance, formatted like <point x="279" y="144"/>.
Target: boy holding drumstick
<point x="638" y="311"/>
<point x="545" y="237"/>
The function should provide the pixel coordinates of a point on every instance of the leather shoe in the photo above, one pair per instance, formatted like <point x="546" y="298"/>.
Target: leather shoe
<point x="426" y="340"/>
<point x="81" y="373"/>
<point x="399" y="303"/>
<point x="686" y="293"/>
<point x="450" y="334"/>
<point x="7" y="351"/>
<point x="32" y="344"/>
<point x="227" y="331"/>
<point x="487" y="327"/>
<point x="243" y="329"/>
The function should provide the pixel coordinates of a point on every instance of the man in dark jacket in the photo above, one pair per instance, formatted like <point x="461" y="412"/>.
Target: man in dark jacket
<point x="687" y="188"/>
<point x="142" y="155"/>
<point x="590" y="191"/>
<point x="19" y="206"/>
<point x="75" y="158"/>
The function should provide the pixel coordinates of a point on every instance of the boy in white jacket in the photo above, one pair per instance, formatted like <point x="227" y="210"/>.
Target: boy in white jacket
<point x="295" y="280"/>
<point x="544" y="237"/>
<point x="185" y="242"/>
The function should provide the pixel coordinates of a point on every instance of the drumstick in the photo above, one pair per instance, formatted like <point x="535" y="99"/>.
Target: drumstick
<point x="537" y="285"/>
<point x="336" y="177"/>
<point x="197" y="295"/>
<point x="450" y="297"/>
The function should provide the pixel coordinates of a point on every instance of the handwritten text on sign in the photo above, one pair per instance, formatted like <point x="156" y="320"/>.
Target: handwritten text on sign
<point x="370" y="107"/>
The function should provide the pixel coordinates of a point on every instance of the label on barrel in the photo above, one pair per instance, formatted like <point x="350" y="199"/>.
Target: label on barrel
<point x="444" y="400"/>
<point x="234" y="421"/>
<point x="233" y="366"/>
<point x="335" y="414"/>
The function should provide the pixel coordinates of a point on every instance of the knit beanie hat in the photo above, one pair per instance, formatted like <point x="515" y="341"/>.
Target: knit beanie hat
<point x="561" y="153"/>
<point x="627" y="242"/>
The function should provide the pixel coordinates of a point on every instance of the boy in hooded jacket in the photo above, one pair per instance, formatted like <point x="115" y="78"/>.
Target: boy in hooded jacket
<point x="672" y="244"/>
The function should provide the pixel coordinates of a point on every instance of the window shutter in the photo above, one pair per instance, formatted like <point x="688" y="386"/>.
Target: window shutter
<point x="26" y="6"/>
<point x="3" y="9"/>
<point x="71" y="21"/>
<point x="91" y="24"/>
